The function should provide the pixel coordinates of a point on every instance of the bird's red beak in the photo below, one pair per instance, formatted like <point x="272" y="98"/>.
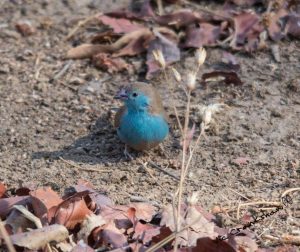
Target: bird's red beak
<point x="122" y="94"/>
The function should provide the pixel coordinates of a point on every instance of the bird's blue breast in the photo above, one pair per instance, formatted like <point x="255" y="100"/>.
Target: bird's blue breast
<point x="142" y="130"/>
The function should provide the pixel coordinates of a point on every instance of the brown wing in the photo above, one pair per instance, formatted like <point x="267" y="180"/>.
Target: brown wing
<point x="156" y="106"/>
<point x="119" y="115"/>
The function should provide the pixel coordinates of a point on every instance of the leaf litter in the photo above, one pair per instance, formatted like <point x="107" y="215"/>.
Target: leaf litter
<point x="84" y="220"/>
<point x="237" y="25"/>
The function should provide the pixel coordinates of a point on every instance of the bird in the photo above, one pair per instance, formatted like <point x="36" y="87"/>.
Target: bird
<point x="141" y="122"/>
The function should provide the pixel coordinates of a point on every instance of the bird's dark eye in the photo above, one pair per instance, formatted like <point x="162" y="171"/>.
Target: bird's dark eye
<point x="134" y="94"/>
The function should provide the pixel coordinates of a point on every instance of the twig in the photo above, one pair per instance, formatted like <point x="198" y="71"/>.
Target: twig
<point x="276" y="204"/>
<point x="83" y="168"/>
<point x="287" y="239"/>
<point x="289" y="191"/>
<point x="6" y="237"/>
<point x="239" y="194"/>
<point x="63" y="70"/>
<point x="268" y="228"/>
<point x="160" y="7"/>
<point x="79" y="25"/>
<point x="162" y="170"/>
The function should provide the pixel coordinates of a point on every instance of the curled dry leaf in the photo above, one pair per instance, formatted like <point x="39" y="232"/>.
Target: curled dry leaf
<point x="89" y="224"/>
<point x="141" y="10"/>
<point x="179" y="19"/>
<point x="87" y="50"/>
<point x="143" y="211"/>
<point x="81" y="246"/>
<point x="110" y="235"/>
<point x="2" y="190"/>
<point x="7" y="204"/>
<point x="72" y="212"/>
<point x="145" y="232"/>
<point x="38" y="238"/>
<point x="246" y="31"/>
<point x="205" y="34"/>
<point x="274" y="24"/>
<point x="293" y="25"/>
<point x="120" y="25"/>
<point x="226" y="77"/>
<point x="112" y="65"/>
<point x="44" y="203"/>
<point x="16" y="222"/>
<point x="94" y="200"/>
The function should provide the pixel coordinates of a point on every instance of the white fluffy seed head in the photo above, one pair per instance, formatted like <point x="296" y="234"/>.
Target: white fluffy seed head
<point x="159" y="57"/>
<point x="191" y="81"/>
<point x="200" y="56"/>
<point x="176" y="74"/>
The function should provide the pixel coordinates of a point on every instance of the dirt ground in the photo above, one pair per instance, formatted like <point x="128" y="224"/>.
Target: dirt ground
<point x="50" y="127"/>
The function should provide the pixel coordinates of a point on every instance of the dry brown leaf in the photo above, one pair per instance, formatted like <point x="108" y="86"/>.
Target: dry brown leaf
<point x="227" y="77"/>
<point x="167" y="46"/>
<point x="112" y="65"/>
<point x="6" y="204"/>
<point x="179" y="19"/>
<point x="293" y="25"/>
<point x="143" y="211"/>
<point x="246" y="31"/>
<point x="145" y="232"/>
<point x="111" y="236"/>
<point x="44" y="203"/>
<point x="120" y="25"/>
<point x="16" y="222"/>
<point x="89" y="224"/>
<point x="72" y="212"/>
<point x="87" y="50"/>
<point x="82" y="247"/>
<point x="206" y="34"/>
<point x="2" y="190"/>
<point x="38" y="238"/>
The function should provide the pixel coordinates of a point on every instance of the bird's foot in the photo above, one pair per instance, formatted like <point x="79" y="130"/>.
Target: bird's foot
<point x="127" y="154"/>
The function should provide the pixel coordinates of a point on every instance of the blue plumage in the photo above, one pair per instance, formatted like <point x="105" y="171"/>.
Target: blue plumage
<point x="141" y="122"/>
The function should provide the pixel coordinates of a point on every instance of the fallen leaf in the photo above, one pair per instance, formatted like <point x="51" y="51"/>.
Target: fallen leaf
<point x="81" y="246"/>
<point x="226" y="77"/>
<point x="275" y="24"/>
<point x="140" y="10"/>
<point x="168" y="48"/>
<point x="206" y="34"/>
<point x="7" y="204"/>
<point x="293" y="25"/>
<point x="94" y="200"/>
<point x="38" y="238"/>
<point x="44" y="203"/>
<point x="87" y="50"/>
<point x="71" y="212"/>
<point x="112" y="65"/>
<point x="145" y="232"/>
<point x="110" y="236"/>
<point x="120" y="25"/>
<point x="246" y="31"/>
<point x="18" y="223"/>
<point x="246" y="2"/>
<point x="143" y="211"/>
<point x="179" y="19"/>
<point x="2" y="190"/>
<point x="89" y="224"/>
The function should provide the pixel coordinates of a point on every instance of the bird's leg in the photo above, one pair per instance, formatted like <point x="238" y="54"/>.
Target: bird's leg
<point x="127" y="154"/>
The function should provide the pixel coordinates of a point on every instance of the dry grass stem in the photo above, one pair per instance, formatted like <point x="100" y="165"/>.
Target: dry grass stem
<point x="83" y="168"/>
<point x="6" y="238"/>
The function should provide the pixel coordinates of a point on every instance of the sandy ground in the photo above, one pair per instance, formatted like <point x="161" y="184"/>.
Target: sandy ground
<point x="43" y="120"/>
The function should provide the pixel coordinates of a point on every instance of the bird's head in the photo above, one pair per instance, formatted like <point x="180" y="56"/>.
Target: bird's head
<point x="135" y="96"/>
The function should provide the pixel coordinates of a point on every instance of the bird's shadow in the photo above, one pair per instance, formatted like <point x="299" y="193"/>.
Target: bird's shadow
<point x="100" y="146"/>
